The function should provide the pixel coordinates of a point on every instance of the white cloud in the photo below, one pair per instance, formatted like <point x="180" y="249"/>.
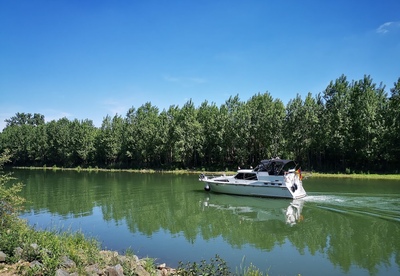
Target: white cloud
<point x="388" y="27"/>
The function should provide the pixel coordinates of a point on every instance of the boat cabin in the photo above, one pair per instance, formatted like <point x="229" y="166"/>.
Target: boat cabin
<point x="246" y="175"/>
<point x="276" y="166"/>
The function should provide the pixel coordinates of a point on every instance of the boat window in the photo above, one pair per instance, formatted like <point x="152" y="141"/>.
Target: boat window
<point x="239" y="176"/>
<point x="272" y="169"/>
<point x="260" y="168"/>
<point x="250" y="176"/>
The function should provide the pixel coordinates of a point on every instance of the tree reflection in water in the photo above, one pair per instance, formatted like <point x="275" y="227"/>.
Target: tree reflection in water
<point x="355" y="231"/>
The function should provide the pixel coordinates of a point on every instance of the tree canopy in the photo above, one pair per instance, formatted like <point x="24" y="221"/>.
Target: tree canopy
<point x="349" y="127"/>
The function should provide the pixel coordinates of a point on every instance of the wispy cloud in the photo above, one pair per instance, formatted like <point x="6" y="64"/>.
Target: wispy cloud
<point x="197" y="80"/>
<point x="388" y="27"/>
<point x="51" y="114"/>
<point x="115" y="107"/>
<point x="171" y="79"/>
<point x="184" y="80"/>
<point x="231" y="56"/>
<point x="4" y="116"/>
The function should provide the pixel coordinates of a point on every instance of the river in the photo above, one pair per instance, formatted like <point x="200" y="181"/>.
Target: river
<point x="343" y="226"/>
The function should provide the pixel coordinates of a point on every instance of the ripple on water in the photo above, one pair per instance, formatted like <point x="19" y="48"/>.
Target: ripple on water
<point x="379" y="206"/>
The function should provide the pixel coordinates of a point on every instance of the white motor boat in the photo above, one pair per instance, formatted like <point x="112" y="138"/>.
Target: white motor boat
<point x="271" y="178"/>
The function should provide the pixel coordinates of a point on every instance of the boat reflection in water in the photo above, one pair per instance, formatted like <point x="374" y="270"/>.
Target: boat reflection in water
<point x="293" y="212"/>
<point x="257" y="209"/>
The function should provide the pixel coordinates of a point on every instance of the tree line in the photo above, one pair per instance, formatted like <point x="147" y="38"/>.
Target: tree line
<point x="349" y="127"/>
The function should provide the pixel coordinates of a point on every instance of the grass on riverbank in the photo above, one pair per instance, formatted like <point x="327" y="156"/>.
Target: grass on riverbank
<point x="306" y="174"/>
<point x="97" y="169"/>
<point x="355" y="176"/>
<point x="22" y="243"/>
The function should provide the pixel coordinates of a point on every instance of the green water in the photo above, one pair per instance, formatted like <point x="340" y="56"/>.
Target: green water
<point x="343" y="227"/>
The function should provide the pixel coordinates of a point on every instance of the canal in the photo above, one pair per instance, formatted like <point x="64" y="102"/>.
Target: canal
<point x="343" y="226"/>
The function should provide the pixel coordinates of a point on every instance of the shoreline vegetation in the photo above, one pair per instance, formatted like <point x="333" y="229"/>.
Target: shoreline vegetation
<point x="306" y="174"/>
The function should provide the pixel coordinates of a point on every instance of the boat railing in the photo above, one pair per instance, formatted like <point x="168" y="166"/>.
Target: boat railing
<point x="203" y="176"/>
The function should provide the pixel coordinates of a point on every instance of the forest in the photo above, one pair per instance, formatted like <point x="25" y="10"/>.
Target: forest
<point x="350" y="127"/>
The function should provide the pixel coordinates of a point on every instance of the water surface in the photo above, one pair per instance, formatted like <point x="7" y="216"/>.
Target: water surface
<point x="348" y="227"/>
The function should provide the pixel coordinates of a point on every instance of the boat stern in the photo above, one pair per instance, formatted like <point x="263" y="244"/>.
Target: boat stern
<point x="294" y="183"/>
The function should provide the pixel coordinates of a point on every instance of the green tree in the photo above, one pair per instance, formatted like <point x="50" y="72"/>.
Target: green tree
<point x="318" y="133"/>
<point x="173" y="135"/>
<point x="83" y="137"/>
<point x="337" y="122"/>
<point x="237" y="120"/>
<point x="301" y="125"/>
<point x="39" y="145"/>
<point x="293" y="126"/>
<point x="59" y="142"/>
<point x="277" y="127"/>
<point x="130" y="147"/>
<point x="161" y="141"/>
<point x="266" y="127"/>
<point x="109" y="140"/>
<point x="261" y="108"/>
<point x="209" y="117"/>
<point x="25" y="119"/>
<point x="142" y="129"/>
<point x="25" y="136"/>
<point x="393" y="126"/>
<point x="189" y="136"/>
<point x="368" y="106"/>
<point x="342" y="128"/>
<point x="18" y="139"/>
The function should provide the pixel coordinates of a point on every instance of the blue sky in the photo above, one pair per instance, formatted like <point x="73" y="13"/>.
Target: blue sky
<point x="88" y="59"/>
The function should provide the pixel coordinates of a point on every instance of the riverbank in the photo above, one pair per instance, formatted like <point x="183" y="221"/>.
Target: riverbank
<point x="27" y="251"/>
<point x="110" y="263"/>
<point x="96" y="169"/>
<point x="306" y="174"/>
<point x="355" y="176"/>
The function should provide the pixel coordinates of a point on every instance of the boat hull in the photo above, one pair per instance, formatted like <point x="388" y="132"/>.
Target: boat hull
<point x="260" y="190"/>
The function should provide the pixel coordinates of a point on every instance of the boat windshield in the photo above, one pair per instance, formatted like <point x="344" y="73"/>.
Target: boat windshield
<point x="289" y="166"/>
<point x="275" y="166"/>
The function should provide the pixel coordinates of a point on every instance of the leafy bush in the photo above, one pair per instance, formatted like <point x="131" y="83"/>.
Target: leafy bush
<point x="20" y="241"/>
<point x="10" y="202"/>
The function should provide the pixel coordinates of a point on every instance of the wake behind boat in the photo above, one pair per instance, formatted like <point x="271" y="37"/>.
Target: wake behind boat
<point x="271" y="178"/>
